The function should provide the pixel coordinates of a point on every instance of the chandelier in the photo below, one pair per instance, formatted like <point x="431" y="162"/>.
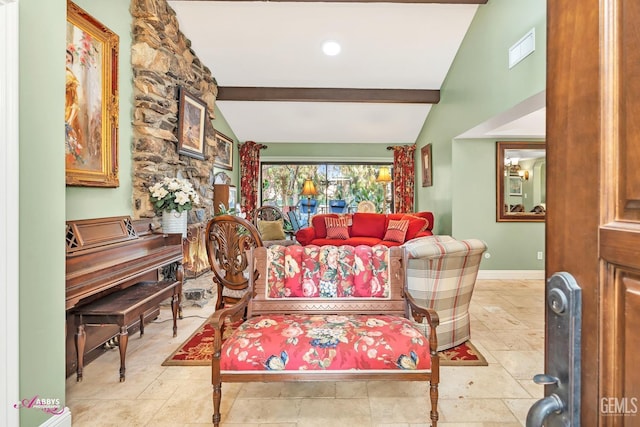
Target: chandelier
<point x="512" y="167"/>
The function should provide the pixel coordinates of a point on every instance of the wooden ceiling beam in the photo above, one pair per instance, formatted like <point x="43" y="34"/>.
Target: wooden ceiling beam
<point x="300" y="94"/>
<point x="366" y="1"/>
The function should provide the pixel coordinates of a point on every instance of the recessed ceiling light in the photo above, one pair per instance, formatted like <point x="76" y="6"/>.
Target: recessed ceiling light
<point x="331" y="48"/>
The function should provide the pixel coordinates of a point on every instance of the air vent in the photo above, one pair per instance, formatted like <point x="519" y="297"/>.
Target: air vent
<point x="523" y="48"/>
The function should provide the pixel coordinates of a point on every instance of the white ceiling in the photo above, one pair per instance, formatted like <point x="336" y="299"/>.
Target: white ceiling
<point x="278" y="44"/>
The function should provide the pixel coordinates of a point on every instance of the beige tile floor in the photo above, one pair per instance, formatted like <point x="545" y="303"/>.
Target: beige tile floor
<point x="507" y="327"/>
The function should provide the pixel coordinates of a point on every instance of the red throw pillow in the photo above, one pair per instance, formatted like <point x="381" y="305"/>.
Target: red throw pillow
<point x="396" y="230"/>
<point x="416" y="225"/>
<point x="368" y="225"/>
<point x="337" y="228"/>
<point x="319" y="225"/>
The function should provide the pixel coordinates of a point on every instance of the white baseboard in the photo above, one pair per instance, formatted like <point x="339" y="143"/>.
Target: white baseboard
<point x="61" y="420"/>
<point x="512" y="274"/>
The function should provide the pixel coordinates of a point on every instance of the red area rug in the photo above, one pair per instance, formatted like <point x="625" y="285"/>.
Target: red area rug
<point x="196" y="351"/>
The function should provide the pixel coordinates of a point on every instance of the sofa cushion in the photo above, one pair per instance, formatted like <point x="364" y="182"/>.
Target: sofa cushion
<point x="337" y="228"/>
<point x="416" y="225"/>
<point x="396" y="230"/>
<point x="351" y="241"/>
<point x="326" y="342"/>
<point x="389" y="243"/>
<point x="362" y="240"/>
<point x="306" y="235"/>
<point x="369" y="225"/>
<point x="426" y="215"/>
<point x="319" y="225"/>
<point x="271" y="230"/>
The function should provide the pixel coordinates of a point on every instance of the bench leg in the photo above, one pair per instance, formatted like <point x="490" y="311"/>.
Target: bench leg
<point x="178" y="290"/>
<point x="175" y="303"/>
<point x="80" y="342"/>
<point x="217" y="397"/>
<point x="141" y="324"/>
<point x="433" y="392"/>
<point x="124" y="339"/>
<point x="216" y="379"/>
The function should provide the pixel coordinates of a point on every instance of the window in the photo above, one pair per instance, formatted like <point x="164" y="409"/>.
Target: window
<point x="340" y="186"/>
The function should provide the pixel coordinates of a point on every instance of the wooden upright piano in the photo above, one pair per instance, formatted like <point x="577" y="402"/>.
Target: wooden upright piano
<point x="106" y="256"/>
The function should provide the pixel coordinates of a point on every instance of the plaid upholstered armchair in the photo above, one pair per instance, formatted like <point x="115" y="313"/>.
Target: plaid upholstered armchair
<point x="441" y="274"/>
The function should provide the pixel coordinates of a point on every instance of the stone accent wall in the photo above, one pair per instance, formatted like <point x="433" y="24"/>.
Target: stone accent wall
<point x="162" y="61"/>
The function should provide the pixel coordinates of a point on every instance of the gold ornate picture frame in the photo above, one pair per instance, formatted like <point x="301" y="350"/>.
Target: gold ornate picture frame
<point x="91" y="101"/>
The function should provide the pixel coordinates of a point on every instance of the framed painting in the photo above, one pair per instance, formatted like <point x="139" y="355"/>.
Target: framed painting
<point x="91" y="101"/>
<point x="191" y="116"/>
<point x="515" y="186"/>
<point x="425" y="158"/>
<point x="233" y="197"/>
<point x="224" y="147"/>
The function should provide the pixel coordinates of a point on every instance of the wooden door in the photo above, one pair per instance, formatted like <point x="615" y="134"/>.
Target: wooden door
<point x="593" y="217"/>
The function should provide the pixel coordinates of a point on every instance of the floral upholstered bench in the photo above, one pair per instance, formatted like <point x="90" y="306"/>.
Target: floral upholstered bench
<point x="325" y="313"/>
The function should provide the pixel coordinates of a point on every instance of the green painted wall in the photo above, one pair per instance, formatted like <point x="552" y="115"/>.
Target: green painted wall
<point x="512" y="245"/>
<point x="478" y="87"/>
<point x="220" y="124"/>
<point x="42" y="193"/>
<point x="45" y="202"/>
<point x="90" y="202"/>
<point x="328" y="151"/>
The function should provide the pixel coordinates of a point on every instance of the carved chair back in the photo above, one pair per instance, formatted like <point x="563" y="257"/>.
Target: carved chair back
<point x="228" y="238"/>
<point x="268" y="213"/>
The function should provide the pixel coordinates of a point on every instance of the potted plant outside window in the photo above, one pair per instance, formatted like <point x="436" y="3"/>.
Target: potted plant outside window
<point x="339" y="204"/>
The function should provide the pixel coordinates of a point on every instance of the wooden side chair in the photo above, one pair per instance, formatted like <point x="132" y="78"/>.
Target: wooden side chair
<point x="228" y="238"/>
<point x="270" y="222"/>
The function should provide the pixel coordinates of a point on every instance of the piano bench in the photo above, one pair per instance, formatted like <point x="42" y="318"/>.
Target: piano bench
<point x="124" y="308"/>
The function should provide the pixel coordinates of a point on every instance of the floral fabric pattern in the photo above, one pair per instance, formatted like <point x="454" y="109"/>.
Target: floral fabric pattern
<point x="403" y="177"/>
<point x="326" y="342"/>
<point x="249" y="153"/>
<point x="327" y="271"/>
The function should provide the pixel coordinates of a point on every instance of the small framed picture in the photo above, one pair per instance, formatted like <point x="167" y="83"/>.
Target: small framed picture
<point x="191" y="116"/>
<point x="224" y="155"/>
<point x="425" y="158"/>
<point x="233" y="197"/>
<point x="515" y="186"/>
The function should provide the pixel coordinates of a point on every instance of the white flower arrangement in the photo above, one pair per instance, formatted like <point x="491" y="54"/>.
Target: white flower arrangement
<point x="173" y="194"/>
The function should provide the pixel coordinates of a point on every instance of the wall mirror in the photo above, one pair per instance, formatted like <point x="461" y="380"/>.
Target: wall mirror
<point x="521" y="178"/>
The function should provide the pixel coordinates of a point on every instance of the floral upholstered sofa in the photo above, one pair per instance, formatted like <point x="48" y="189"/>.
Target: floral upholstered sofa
<point x="366" y="229"/>
<point x="331" y="313"/>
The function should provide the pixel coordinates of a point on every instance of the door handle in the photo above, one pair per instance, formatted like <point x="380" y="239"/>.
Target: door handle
<point x="561" y="405"/>
<point x="542" y="409"/>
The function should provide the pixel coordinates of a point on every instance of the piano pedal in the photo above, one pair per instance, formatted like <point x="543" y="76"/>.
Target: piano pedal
<point x="112" y="343"/>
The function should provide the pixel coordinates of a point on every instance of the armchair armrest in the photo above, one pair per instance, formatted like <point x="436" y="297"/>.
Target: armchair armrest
<point x="418" y="313"/>
<point x="218" y="320"/>
<point x="305" y="235"/>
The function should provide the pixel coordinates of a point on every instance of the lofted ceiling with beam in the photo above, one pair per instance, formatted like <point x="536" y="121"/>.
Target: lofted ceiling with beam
<point x="276" y="84"/>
